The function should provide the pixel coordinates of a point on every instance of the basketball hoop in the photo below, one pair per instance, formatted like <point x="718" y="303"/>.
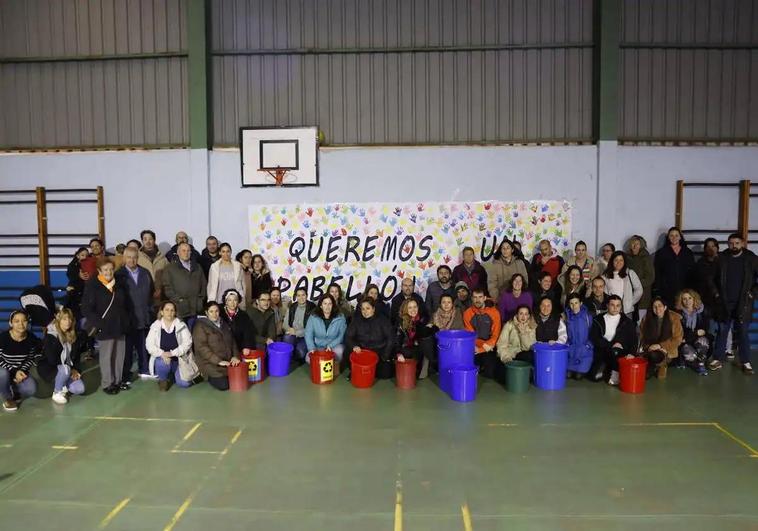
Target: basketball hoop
<point x="277" y="174"/>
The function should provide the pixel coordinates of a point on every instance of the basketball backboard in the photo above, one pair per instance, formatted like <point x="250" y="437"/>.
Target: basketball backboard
<point x="276" y="156"/>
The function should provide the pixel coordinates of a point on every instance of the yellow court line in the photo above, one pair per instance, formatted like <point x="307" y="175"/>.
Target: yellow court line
<point x="466" y="517"/>
<point x="6" y="446"/>
<point x="753" y="452"/>
<point x="398" y="506"/>
<point x="178" y="514"/>
<point x="497" y="425"/>
<point x="145" y="419"/>
<point x="111" y="515"/>
<point x="186" y="437"/>
<point x="63" y="447"/>
<point x="212" y="452"/>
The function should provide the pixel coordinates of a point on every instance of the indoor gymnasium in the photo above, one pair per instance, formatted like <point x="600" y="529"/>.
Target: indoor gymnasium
<point x="378" y="265"/>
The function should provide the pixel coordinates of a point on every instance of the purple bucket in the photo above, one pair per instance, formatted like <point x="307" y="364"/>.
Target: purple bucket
<point x="279" y="356"/>
<point x="463" y="381"/>
<point x="454" y="348"/>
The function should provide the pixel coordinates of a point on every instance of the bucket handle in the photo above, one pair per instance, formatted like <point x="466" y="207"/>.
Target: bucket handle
<point x="443" y="346"/>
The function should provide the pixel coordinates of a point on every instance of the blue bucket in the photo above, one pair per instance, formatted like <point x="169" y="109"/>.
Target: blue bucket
<point x="550" y="365"/>
<point x="454" y="348"/>
<point x="463" y="380"/>
<point x="279" y="356"/>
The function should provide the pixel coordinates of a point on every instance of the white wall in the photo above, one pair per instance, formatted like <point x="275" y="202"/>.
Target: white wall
<point x="169" y="190"/>
<point x="419" y="174"/>
<point x="646" y="192"/>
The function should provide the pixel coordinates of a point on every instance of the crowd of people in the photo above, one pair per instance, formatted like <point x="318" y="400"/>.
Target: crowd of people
<point x="185" y="317"/>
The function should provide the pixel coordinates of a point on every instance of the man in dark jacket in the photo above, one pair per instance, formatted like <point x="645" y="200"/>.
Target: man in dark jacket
<point x="613" y="336"/>
<point x="470" y="271"/>
<point x="597" y="301"/>
<point x="262" y="317"/>
<point x="139" y="285"/>
<point x="435" y="290"/>
<point x="736" y="278"/>
<point x="181" y="237"/>
<point x="407" y="291"/>
<point x="210" y="254"/>
<point x="184" y="284"/>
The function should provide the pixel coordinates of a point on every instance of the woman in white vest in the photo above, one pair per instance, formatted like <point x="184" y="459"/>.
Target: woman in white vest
<point x="169" y="343"/>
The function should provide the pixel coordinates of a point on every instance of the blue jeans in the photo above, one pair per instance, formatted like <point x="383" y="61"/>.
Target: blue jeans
<point x="743" y="340"/>
<point x="301" y="349"/>
<point x="75" y="387"/>
<point x="163" y="370"/>
<point x="9" y="389"/>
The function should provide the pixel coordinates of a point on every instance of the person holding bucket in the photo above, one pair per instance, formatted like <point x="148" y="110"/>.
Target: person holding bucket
<point x="372" y="331"/>
<point x="660" y="336"/>
<point x="326" y="329"/>
<point x="613" y="336"/>
<point x="578" y="326"/>
<point x="415" y="339"/>
<point x="238" y="320"/>
<point x="215" y="347"/>
<point x="518" y="336"/>
<point x="169" y="343"/>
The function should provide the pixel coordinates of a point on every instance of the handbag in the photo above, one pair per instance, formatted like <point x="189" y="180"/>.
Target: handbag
<point x="94" y="330"/>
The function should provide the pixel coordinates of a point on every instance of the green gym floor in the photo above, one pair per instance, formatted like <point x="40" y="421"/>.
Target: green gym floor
<point x="289" y="455"/>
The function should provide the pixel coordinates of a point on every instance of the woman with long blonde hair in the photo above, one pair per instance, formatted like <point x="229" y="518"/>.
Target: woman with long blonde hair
<point x="61" y="351"/>
<point x="693" y="351"/>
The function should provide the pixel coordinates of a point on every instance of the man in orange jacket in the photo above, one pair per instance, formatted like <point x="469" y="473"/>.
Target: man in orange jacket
<point x="483" y="319"/>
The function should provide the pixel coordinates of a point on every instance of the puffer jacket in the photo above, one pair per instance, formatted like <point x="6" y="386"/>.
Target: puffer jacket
<point x="374" y="333"/>
<point x="318" y="336"/>
<point x="213" y="344"/>
<point x="512" y="340"/>
<point x="578" y="326"/>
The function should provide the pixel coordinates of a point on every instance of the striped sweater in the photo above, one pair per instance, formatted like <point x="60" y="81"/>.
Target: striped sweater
<point x="15" y="355"/>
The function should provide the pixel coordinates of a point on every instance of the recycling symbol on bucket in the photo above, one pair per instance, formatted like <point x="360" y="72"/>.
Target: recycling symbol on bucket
<point x="253" y="370"/>
<point x="327" y="366"/>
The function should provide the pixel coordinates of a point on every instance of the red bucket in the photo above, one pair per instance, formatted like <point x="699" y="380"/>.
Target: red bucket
<point x="632" y="373"/>
<point x="363" y="368"/>
<point x="256" y="368"/>
<point x="237" y="377"/>
<point x="406" y="373"/>
<point x="322" y="367"/>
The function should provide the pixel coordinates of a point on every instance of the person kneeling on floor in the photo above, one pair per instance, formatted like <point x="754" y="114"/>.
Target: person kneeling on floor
<point x="518" y="337"/>
<point x="325" y="330"/>
<point x="215" y="349"/>
<point x="661" y="334"/>
<point x="61" y="350"/>
<point x="19" y="349"/>
<point x="613" y="336"/>
<point x="372" y="331"/>
<point x="169" y="343"/>
<point x="483" y="319"/>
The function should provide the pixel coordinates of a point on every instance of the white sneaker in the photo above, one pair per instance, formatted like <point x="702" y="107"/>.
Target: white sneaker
<point x="64" y="390"/>
<point x="614" y="379"/>
<point x="148" y="376"/>
<point x="60" y="398"/>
